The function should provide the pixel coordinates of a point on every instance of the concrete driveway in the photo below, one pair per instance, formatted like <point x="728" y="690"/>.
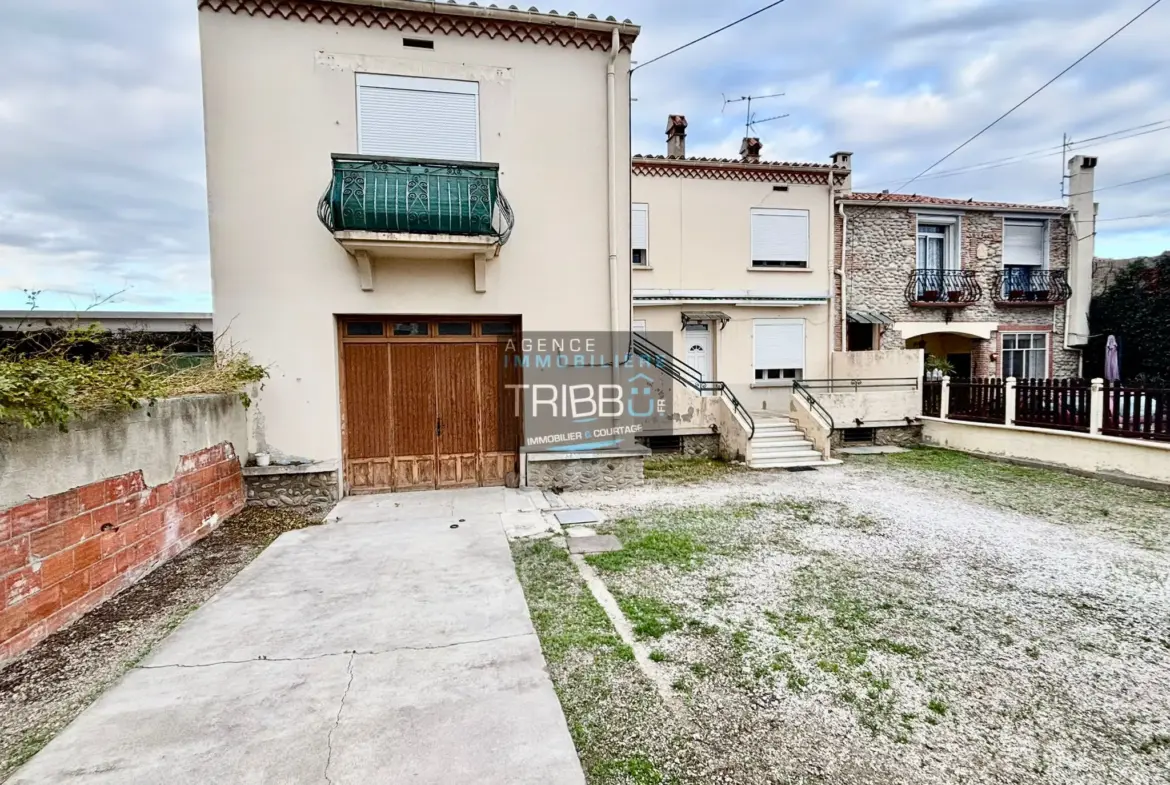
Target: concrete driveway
<point x="391" y="645"/>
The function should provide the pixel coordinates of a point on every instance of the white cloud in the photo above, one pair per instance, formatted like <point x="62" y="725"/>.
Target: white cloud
<point x="101" y="158"/>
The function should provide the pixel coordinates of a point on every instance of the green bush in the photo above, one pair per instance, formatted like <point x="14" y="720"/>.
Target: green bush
<point x="90" y="370"/>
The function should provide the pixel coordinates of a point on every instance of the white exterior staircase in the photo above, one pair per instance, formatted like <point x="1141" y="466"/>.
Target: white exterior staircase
<point x="779" y="444"/>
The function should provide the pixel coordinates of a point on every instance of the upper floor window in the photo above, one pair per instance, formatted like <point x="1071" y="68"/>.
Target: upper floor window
<point x="938" y="243"/>
<point x="639" y="234"/>
<point x="413" y="117"/>
<point x="779" y="237"/>
<point x="777" y="350"/>
<point x="1025" y="257"/>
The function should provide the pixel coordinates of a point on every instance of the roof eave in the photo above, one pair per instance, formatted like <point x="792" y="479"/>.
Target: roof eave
<point x="626" y="28"/>
<point x="1003" y="208"/>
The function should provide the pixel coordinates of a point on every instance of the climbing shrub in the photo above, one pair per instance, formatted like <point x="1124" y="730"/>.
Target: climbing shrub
<point x="79" y="371"/>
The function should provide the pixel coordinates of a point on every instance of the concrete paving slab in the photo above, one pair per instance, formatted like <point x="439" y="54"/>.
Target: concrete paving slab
<point x="248" y="723"/>
<point x="873" y="449"/>
<point x="454" y="715"/>
<point x="569" y="517"/>
<point x="518" y="525"/>
<point x="579" y="531"/>
<point x="601" y="543"/>
<point x="386" y="643"/>
<point x="360" y="587"/>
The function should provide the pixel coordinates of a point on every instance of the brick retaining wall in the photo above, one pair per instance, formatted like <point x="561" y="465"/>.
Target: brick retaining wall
<point x="62" y="555"/>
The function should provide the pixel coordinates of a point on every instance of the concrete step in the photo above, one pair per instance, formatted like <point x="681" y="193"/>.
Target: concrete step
<point x="775" y="430"/>
<point x="780" y="438"/>
<point x="786" y="456"/>
<point x="819" y="463"/>
<point x="785" y="451"/>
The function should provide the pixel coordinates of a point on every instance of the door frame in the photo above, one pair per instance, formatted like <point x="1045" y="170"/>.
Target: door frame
<point x="431" y="338"/>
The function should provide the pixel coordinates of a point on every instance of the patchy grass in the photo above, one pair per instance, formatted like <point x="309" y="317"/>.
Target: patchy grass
<point x="649" y="616"/>
<point x="1137" y="515"/>
<point x="679" y="469"/>
<point x="617" y="721"/>
<point x="668" y="548"/>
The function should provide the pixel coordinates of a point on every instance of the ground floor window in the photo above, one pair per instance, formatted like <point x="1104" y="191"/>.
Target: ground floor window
<point x="1025" y="355"/>
<point x="778" y="350"/>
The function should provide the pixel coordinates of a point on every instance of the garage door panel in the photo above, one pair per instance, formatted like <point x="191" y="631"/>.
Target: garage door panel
<point x="414" y="472"/>
<point x="500" y="425"/>
<point x="412" y="368"/>
<point x="458" y="398"/>
<point x="367" y="400"/>
<point x="458" y="470"/>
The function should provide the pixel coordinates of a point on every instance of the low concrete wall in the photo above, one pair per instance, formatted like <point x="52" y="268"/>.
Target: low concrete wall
<point x="86" y="513"/>
<point x="874" y="408"/>
<point x="814" y="429"/>
<point x="733" y="436"/>
<point x="1104" y="455"/>
<point x="151" y="440"/>
<point x="884" y="364"/>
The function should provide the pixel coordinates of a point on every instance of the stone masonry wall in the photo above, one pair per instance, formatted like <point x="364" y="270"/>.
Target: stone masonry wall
<point x="881" y="251"/>
<point x="313" y="494"/>
<point x="587" y="473"/>
<point x="62" y="555"/>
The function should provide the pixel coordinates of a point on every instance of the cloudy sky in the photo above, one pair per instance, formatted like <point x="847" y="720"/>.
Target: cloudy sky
<point x="101" y="150"/>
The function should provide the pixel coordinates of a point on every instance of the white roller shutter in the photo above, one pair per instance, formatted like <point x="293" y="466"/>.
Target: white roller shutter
<point x="639" y="226"/>
<point x="779" y="235"/>
<point x="1023" y="243"/>
<point x="412" y="117"/>
<point x="779" y="343"/>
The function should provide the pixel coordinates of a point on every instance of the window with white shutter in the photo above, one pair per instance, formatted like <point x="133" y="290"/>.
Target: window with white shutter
<point x="778" y="349"/>
<point x="413" y="117"/>
<point x="1024" y="243"/>
<point x="639" y="233"/>
<point x="779" y="237"/>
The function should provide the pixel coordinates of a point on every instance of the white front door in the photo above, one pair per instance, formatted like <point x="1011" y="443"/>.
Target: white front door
<point x="698" y="344"/>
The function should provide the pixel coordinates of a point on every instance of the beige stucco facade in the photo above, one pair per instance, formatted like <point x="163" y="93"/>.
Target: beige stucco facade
<point x="280" y="98"/>
<point x="699" y="259"/>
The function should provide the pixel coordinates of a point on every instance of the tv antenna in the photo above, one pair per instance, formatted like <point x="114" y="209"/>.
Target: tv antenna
<point x="750" y="120"/>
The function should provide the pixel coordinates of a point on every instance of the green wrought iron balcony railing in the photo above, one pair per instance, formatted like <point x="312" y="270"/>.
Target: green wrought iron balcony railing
<point x="421" y="196"/>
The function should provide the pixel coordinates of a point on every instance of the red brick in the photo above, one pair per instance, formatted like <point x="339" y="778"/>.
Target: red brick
<point x="43" y="604"/>
<point x="161" y="495"/>
<point x="79" y="528"/>
<point x="5" y="525"/>
<point x="89" y="552"/>
<point x="73" y="588"/>
<point x="63" y="505"/>
<point x="106" y="515"/>
<point x="28" y="517"/>
<point x="13" y="555"/>
<point x="127" y="484"/>
<point x="126" y="560"/>
<point x="56" y="568"/>
<point x="129" y="508"/>
<point x="13" y="621"/>
<point x="24" y="641"/>
<point x="151" y="521"/>
<point x="50" y="540"/>
<point x="92" y="496"/>
<point x="19" y="586"/>
<point x="102" y="573"/>
<point x="111" y="542"/>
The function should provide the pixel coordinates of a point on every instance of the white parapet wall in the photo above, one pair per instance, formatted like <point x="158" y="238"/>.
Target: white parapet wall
<point x="884" y="364"/>
<point x="1105" y="455"/>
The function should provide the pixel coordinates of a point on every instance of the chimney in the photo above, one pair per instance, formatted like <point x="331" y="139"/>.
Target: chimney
<point x="1081" y="172"/>
<point x="676" y="136"/>
<point x="845" y="161"/>
<point x="750" y="150"/>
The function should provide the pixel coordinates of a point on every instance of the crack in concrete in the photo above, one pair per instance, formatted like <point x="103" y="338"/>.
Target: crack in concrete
<point x="337" y="721"/>
<point x="346" y="653"/>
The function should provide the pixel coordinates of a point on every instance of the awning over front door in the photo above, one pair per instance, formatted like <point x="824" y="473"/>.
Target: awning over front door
<point x="868" y="317"/>
<point x="689" y="317"/>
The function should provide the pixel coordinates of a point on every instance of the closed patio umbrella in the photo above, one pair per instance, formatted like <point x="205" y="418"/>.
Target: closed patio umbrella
<point x="1112" y="363"/>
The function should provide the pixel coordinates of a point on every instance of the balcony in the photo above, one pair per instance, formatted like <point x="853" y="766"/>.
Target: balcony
<point x="943" y="288"/>
<point x="1031" y="286"/>
<point x="411" y="208"/>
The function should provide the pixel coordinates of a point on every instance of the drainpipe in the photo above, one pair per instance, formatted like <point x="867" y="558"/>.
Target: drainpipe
<point x="611" y="103"/>
<point x="841" y="272"/>
<point x="829" y="259"/>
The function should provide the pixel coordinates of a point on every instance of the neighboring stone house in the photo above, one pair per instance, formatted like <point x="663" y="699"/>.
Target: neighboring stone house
<point x="991" y="287"/>
<point x="382" y="328"/>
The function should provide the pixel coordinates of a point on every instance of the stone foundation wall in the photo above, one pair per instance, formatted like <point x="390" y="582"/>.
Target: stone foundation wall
<point x="705" y="445"/>
<point x="587" y="473"/>
<point x="898" y="436"/>
<point x="308" y="491"/>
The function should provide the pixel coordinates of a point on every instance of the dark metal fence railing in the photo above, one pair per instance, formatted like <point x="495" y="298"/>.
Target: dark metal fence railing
<point x="1136" y="412"/>
<point x="1061" y="404"/>
<point x="977" y="400"/>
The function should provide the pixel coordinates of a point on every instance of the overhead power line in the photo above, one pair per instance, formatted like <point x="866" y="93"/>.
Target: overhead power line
<point x="1124" y="218"/>
<point x="1121" y="185"/>
<point x="1026" y="99"/>
<point x="708" y="35"/>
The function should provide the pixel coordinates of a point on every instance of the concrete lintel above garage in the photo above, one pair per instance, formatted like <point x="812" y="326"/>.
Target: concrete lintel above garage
<point x="367" y="247"/>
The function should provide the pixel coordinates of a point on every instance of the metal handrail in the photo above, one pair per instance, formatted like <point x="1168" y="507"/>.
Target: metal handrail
<point x="798" y="388"/>
<point x="900" y="382"/>
<point x="684" y="374"/>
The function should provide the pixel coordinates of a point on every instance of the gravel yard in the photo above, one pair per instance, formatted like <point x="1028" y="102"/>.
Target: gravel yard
<point x="918" y="618"/>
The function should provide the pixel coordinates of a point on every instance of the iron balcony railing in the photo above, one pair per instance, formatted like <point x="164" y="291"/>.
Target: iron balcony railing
<point x="953" y="288"/>
<point x="1022" y="285"/>
<point x="686" y="375"/>
<point x="380" y="194"/>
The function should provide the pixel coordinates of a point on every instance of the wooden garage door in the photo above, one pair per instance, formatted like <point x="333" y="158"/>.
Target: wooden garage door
<point x="423" y="403"/>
